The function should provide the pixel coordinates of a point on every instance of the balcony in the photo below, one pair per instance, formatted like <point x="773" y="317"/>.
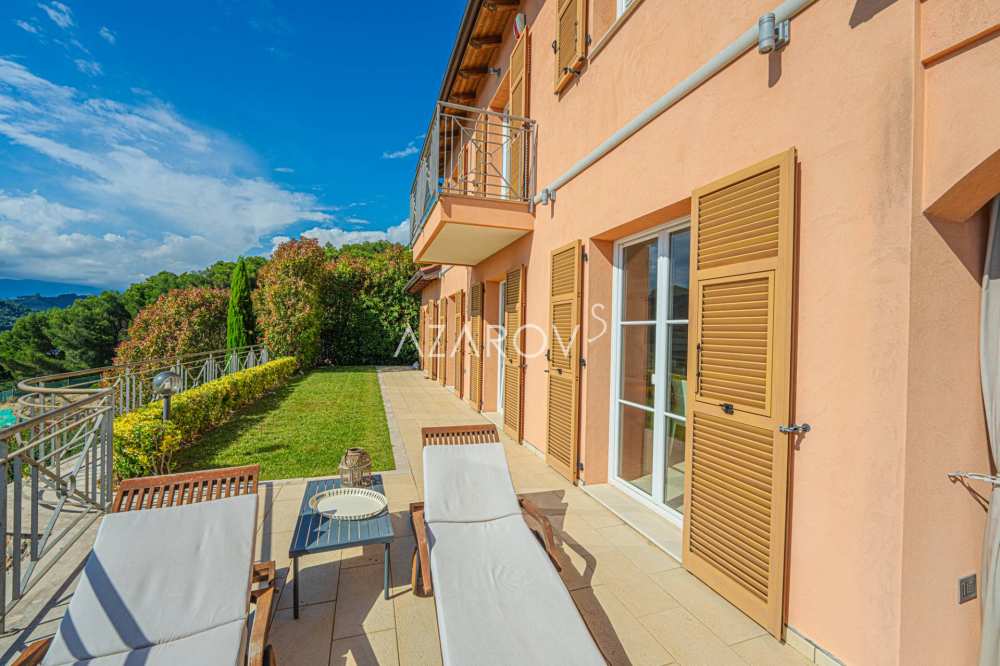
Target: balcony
<point x="472" y="193"/>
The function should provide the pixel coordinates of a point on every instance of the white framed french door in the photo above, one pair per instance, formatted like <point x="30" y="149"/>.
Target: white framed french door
<point x="649" y="366"/>
<point x="500" y="347"/>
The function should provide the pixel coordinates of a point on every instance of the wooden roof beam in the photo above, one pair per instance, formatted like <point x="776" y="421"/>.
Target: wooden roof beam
<point x="485" y="40"/>
<point x="494" y="5"/>
<point x="467" y="96"/>
<point x="473" y="71"/>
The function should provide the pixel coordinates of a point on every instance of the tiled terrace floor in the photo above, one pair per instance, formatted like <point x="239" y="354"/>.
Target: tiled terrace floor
<point x="640" y="604"/>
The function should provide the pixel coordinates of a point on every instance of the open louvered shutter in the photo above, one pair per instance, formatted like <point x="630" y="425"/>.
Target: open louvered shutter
<point x="513" y="384"/>
<point x="442" y="336"/>
<point x="564" y="360"/>
<point x="742" y="279"/>
<point x="432" y="341"/>
<point x="571" y="40"/>
<point x="476" y="346"/>
<point x="422" y="339"/>
<point x="459" y="345"/>
<point x="518" y="78"/>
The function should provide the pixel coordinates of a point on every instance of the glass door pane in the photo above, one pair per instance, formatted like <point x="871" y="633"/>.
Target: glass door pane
<point x="673" y="479"/>
<point x="676" y="366"/>
<point x="635" y="447"/>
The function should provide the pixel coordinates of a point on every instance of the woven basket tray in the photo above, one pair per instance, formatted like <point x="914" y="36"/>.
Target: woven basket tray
<point x="349" y="503"/>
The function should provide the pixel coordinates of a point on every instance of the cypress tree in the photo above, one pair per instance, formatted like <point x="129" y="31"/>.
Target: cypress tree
<point x="239" y="320"/>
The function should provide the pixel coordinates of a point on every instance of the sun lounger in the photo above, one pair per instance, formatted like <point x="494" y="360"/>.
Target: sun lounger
<point x="169" y="579"/>
<point x="498" y="593"/>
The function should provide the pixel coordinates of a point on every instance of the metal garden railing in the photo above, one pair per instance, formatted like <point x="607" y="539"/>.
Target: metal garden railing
<point x="476" y="153"/>
<point x="56" y="471"/>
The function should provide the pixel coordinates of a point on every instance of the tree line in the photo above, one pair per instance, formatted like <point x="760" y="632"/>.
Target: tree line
<point x="342" y="306"/>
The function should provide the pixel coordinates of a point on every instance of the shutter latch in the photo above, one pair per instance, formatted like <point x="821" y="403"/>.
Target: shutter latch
<point x="795" y="428"/>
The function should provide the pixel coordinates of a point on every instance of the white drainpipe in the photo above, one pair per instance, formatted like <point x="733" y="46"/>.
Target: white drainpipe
<point x="722" y="59"/>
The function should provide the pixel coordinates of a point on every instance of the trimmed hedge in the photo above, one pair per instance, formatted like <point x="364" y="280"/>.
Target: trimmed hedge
<point x="145" y="445"/>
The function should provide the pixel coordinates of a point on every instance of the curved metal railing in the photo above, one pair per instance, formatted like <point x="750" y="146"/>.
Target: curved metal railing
<point x="56" y="469"/>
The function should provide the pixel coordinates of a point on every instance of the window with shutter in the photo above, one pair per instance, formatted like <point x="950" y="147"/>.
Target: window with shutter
<point x="513" y="384"/>
<point x="571" y="40"/>
<point x="476" y="346"/>
<point x="742" y="279"/>
<point x="459" y="344"/>
<point x="422" y="339"/>
<point x="564" y="360"/>
<point x="432" y="339"/>
<point x="518" y="78"/>
<point x="442" y="335"/>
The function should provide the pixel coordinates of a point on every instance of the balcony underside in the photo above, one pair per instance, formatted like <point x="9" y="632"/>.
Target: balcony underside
<point x="465" y="230"/>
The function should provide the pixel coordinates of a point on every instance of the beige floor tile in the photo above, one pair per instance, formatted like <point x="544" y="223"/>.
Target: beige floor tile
<point x="724" y="619"/>
<point x="377" y="649"/>
<point x="642" y="600"/>
<point x="766" y="651"/>
<point x="599" y="518"/>
<point x="363" y="556"/>
<point x="318" y="578"/>
<point x="272" y="545"/>
<point x="688" y="640"/>
<point x="306" y="641"/>
<point x="416" y="630"/>
<point x="620" y="635"/>
<point x="649" y="558"/>
<point x="361" y="606"/>
<point x="623" y="535"/>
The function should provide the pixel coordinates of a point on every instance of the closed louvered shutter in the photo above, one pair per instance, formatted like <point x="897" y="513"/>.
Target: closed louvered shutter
<point x="518" y="78"/>
<point x="571" y="40"/>
<point x="513" y="350"/>
<point x="564" y="359"/>
<point x="459" y="344"/>
<point x="743" y="240"/>
<point x="432" y="339"/>
<point x="442" y="340"/>
<point x="476" y="346"/>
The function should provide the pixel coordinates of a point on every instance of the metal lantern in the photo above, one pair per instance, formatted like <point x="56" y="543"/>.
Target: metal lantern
<point x="356" y="468"/>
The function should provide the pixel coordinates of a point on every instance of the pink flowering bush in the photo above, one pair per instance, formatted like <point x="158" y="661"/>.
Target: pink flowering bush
<point x="181" y="321"/>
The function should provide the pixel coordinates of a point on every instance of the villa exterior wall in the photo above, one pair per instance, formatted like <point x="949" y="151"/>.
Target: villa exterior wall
<point x="887" y="303"/>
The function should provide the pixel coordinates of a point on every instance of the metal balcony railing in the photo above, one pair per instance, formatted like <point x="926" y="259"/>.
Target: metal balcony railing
<point x="476" y="153"/>
<point x="56" y="472"/>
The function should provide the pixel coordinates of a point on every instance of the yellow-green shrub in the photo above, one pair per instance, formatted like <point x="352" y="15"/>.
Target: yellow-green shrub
<point x="145" y="445"/>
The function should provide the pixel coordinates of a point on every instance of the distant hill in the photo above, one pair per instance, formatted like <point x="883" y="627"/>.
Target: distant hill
<point x="12" y="288"/>
<point x="12" y="308"/>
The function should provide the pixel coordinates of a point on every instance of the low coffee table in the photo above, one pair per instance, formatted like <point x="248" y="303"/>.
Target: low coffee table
<point x="318" y="533"/>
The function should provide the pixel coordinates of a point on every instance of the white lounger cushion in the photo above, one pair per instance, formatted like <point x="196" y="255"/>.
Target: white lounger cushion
<point x="160" y="575"/>
<point x="499" y="599"/>
<point x="215" y="646"/>
<point x="466" y="483"/>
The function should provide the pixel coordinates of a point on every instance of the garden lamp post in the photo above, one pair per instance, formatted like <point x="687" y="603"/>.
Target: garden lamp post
<point x="166" y="384"/>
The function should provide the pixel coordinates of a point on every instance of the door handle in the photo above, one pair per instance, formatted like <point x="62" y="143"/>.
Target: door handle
<point x="795" y="428"/>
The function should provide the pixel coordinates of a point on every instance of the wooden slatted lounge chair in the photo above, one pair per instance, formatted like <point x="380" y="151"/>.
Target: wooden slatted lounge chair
<point x="498" y="594"/>
<point x="163" y="583"/>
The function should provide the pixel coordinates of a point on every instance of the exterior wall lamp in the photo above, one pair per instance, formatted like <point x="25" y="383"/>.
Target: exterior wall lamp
<point x="166" y="384"/>
<point x="771" y="35"/>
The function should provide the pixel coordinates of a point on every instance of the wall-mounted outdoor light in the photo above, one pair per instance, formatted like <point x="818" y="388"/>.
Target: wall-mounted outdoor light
<point x="166" y="384"/>
<point x="771" y="35"/>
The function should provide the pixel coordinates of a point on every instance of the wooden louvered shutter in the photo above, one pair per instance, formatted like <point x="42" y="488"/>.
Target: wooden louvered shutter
<point x="742" y="279"/>
<point x="513" y="350"/>
<point x="564" y="360"/>
<point x="422" y="339"/>
<point x="432" y="339"/>
<point x="442" y="340"/>
<point x="476" y="346"/>
<point x="459" y="345"/>
<point x="571" y="40"/>
<point x="518" y="78"/>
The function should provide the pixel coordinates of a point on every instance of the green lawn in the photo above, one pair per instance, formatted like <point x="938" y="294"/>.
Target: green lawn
<point x="302" y="429"/>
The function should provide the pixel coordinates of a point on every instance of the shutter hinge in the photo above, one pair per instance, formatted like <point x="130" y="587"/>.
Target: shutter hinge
<point x="583" y="362"/>
<point x="579" y="466"/>
<point x="583" y="254"/>
<point x="555" y="46"/>
<point x="589" y="39"/>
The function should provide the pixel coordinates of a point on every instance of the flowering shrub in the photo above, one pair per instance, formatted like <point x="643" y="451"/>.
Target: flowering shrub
<point x="287" y="300"/>
<point x="181" y="321"/>
<point x="145" y="445"/>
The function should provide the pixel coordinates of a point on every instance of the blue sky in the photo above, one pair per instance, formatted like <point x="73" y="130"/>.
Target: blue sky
<point x="137" y="137"/>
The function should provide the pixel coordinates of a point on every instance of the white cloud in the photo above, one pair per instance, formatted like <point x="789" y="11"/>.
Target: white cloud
<point x="60" y="14"/>
<point x="336" y="236"/>
<point x="284" y="169"/>
<point x="89" y="67"/>
<point x="107" y="35"/>
<point x="410" y="149"/>
<point x="357" y="220"/>
<point x="27" y="27"/>
<point x="128" y="189"/>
